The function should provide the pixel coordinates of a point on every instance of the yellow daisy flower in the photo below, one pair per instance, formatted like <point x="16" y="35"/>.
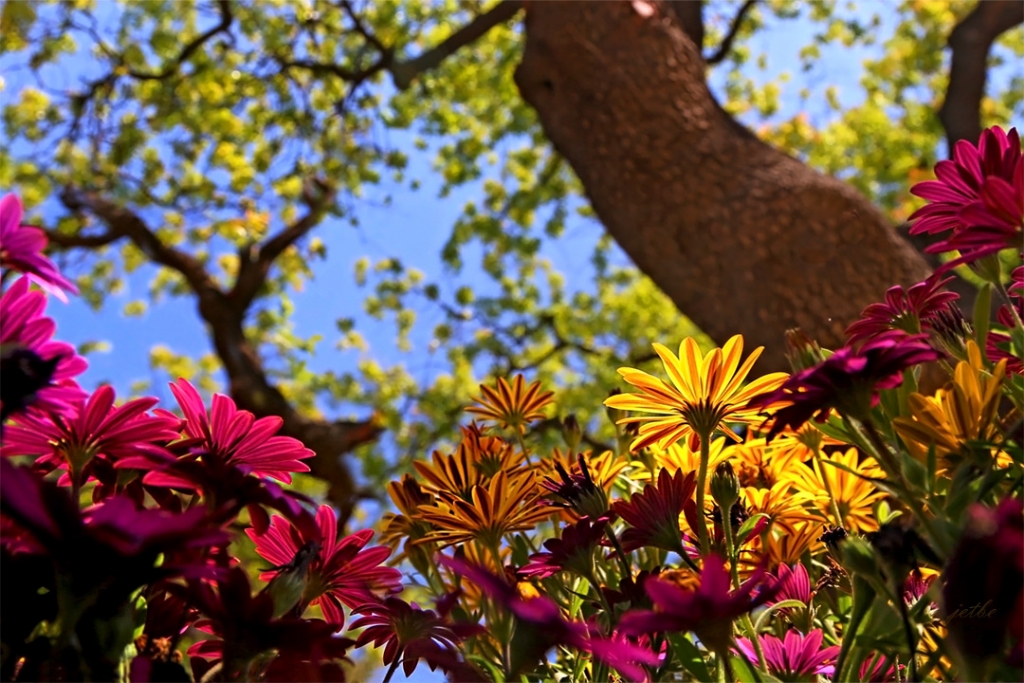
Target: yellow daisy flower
<point x="962" y="412"/>
<point x="855" y="497"/>
<point x="513" y="406"/>
<point x="407" y="496"/>
<point x="788" y="547"/>
<point x="704" y="394"/>
<point x="785" y="508"/>
<point x="502" y="505"/>
<point x="451" y="475"/>
<point x="679" y="456"/>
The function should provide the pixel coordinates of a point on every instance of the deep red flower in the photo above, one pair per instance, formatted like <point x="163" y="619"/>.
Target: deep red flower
<point x="848" y="381"/>
<point x="708" y="611"/>
<point x="24" y="329"/>
<point x="411" y="633"/>
<point x="797" y="657"/>
<point x="986" y="571"/>
<point x="345" y="572"/>
<point x="237" y="438"/>
<point x="245" y="628"/>
<point x="21" y="248"/>
<point x="541" y="626"/>
<point x="653" y="515"/>
<point x="573" y="552"/>
<point x="910" y="310"/>
<point x="978" y="196"/>
<point x="91" y="437"/>
<point x="577" y="490"/>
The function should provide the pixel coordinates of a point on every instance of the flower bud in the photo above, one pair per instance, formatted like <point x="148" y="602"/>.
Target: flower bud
<point x="859" y="558"/>
<point x="833" y="538"/>
<point x="725" y="486"/>
<point x="802" y="352"/>
<point x="949" y="331"/>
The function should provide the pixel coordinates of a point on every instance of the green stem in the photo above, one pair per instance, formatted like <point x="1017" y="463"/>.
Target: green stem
<point x="394" y="667"/>
<point x="828" y="488"/>
<point x="702" y="477"/>
<point x="626" y="567"/>
<point x="863" y="597"/>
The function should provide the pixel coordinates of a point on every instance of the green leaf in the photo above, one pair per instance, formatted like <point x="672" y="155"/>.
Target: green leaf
<point x="982" y="314"/>
<point x="689" y="656"/>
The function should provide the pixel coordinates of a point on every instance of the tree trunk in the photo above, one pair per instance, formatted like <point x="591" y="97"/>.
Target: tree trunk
<point x="742" y="237"/>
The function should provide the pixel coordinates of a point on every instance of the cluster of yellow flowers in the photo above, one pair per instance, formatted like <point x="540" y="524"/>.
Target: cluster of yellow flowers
<point x="801" y="482"/>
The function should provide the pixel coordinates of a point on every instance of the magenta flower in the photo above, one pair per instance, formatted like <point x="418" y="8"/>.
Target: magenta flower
<point x="796" y="658"/>
<point x="345" y="572"/>
<point x="999" y="344"/>
<point x="986" y="571"/>
<point x="708" y="611"/>
<point x="21" y="248"/>
<point x="573" y="552"/>
<point x="236" y="437"/>
<point x="910" y="310"/>
<point x="91" y="438"/>
<point x="653" y="515"/>
<point x="541" y="626"/>
<point x="411" y="634"/>
<point x="848" y="381"/>
<point x="878" y="669"/>
<point x="110" y="547"/>
<point x="793" y="584"/>
<point x="244" y="627"/>
<point x="978" y="196"/>
<point x="25" y="330"/>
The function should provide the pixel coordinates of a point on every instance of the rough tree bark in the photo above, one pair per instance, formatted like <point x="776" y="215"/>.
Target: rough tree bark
<point x="742" y="237"/>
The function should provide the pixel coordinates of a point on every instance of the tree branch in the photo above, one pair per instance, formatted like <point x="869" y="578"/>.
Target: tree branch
<point x="65" y="241"/>
<point x="252" y="272"/>
<point x="404" y="73"/>
<point x="121" y="221"/>
<point x="225" y="314"/>
<point x="225" y="23"/>
<point x="970" y="42"/>
<point x="723" y="49"/>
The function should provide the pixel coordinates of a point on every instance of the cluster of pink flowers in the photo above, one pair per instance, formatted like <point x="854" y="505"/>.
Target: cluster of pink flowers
<point x="124" y="510"/>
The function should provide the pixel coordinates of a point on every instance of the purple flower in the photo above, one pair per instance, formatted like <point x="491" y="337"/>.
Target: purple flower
<point x="910" y="310"/>
<point x="708" y="611"/>
<point x="795" y="658"/>
<point x="848" y="381"/>
<point x="21" y="248"/>
<point x="26" y="335"/>
<point x="541" y="626"/>
<point x="978" y="196"/>
<point x="573" y="552"/>
<point x="986" y="573"/>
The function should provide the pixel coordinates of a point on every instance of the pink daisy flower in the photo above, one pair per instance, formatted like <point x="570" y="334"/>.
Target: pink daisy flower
<point x="26" y="336"/>
<point x="91" y="438"/>
<point x="237" y="438"/>
<point x="978" y="196"/>
<point x="345" y="572"/>
<point x="909" y="310"/>
<point x="21" y="248"/>
<point x="794" y="658"/>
